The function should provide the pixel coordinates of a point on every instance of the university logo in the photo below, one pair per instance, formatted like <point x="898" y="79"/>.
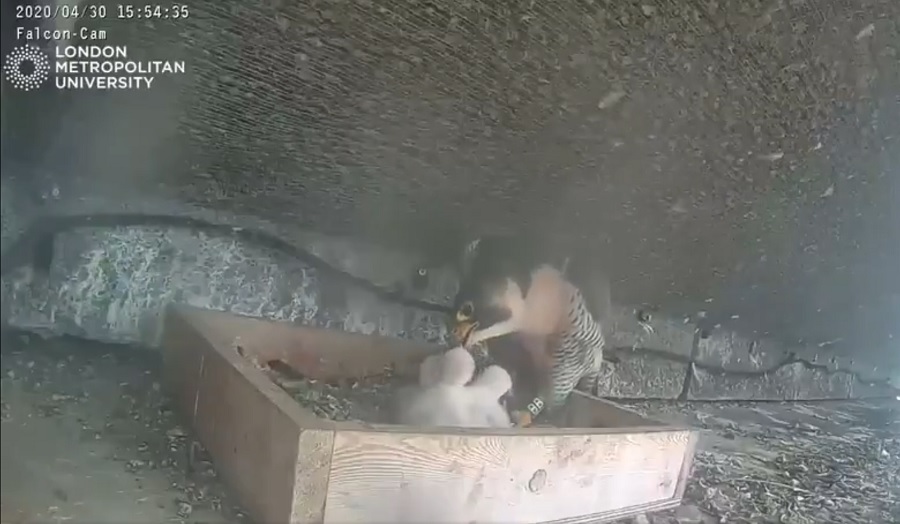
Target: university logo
<point x="26" y="67"/>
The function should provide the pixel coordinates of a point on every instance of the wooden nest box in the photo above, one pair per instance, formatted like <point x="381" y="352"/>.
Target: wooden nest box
<point x="287" y="465"/>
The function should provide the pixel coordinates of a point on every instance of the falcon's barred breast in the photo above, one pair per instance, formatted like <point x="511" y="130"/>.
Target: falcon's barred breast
<point x="508" y="290"/>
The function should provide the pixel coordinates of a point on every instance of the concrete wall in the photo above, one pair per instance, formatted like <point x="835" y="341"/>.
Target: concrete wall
<point x="736" y="162"/>
<point x="111" y="284"/>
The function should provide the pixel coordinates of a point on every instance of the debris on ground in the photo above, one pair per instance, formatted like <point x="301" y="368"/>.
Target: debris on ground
<point x="89" y="436"/>
<point x="366" y="399"/>
<point x="101" y="409"/>
<point x="791" y="463"/>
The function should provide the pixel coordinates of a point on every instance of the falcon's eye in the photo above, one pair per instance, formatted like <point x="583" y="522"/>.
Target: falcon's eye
<point x="422" y="271"/>
<point x="643" y="316"/>
<point x="465" y="311"/>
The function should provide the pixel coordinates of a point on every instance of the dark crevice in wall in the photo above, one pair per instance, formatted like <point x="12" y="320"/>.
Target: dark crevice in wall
<point x="34" y="248"/>
<point x="790" y="360"/>
<point x="617" y="354"/>
<point x="691" y="362"/>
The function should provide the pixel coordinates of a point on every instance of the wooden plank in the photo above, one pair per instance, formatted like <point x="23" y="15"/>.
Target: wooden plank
<point x="311" y="473"/>
<point x="288" y="465"/>
<point x="415" y="477"/>
<point x="687" y="466"/>
<point x="317" y="353"/>
<point x="251" y="433"/>
<point x="608" y="516"/>
<point x="327" y="354"/>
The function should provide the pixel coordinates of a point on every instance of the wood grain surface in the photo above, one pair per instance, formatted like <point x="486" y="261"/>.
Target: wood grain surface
<point x="288" y="465"/>
<point x="396" y="477"/>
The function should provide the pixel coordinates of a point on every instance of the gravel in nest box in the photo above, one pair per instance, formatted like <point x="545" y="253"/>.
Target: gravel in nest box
<point x="366" y="399"/>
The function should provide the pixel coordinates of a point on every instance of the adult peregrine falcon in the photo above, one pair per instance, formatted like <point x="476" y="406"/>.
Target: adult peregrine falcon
<point x="509" y="287"/>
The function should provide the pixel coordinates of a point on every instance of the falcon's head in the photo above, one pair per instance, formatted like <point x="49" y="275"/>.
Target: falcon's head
<point x="495" y="274"/>
<point x="498" y="274"/>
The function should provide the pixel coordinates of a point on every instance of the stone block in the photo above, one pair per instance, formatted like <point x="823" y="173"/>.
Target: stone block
<point x="389" y="268"/>
<point x="730" y="351"/>
<point x="795" y="381"/>
<point x="642" y="376"/>
<point x="799" y="371"/>
<point x="667" y="335"/>
<point x="865" y="367"/>
<point x="110" y="285"/>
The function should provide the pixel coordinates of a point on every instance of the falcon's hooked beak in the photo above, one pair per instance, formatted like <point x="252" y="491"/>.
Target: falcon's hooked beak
<point x="466" y="327"/>
<point x="464" y="324"/>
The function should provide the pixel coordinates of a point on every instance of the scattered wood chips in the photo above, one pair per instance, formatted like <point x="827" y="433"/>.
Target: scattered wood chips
<point x="365" y="400"/>
<point x="791" y="463"/>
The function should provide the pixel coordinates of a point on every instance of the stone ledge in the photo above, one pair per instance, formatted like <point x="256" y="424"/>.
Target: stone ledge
<point x="110" y="285"/>
<point x="791" y="382"/>
<point x="667" y="335"/>
<point x="642" y="377"/>
<point x="731" y="352"/>
<point x="106" y="285"/>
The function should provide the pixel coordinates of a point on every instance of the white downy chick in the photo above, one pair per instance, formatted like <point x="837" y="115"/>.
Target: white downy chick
<point x="457" y="366"/>
<point x="444" y="399"/>
<point x="485" y="392"/>
<point x="410" y="402"/>
<point x="482" y="396"/>
<point x="435" y="401"/>
<point x="437" y="406"/>
<point x="431" y="371"/>
<point x="451" y="368"/>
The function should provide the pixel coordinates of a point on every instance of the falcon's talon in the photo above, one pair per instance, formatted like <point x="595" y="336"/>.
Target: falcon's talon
<point x="522" y="419"/>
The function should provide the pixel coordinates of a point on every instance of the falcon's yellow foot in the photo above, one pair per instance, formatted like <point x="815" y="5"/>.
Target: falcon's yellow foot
<point x="522" y="419"/>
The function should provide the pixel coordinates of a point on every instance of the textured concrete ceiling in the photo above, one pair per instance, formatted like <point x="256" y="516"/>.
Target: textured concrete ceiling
<point x="737" y="157"/>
